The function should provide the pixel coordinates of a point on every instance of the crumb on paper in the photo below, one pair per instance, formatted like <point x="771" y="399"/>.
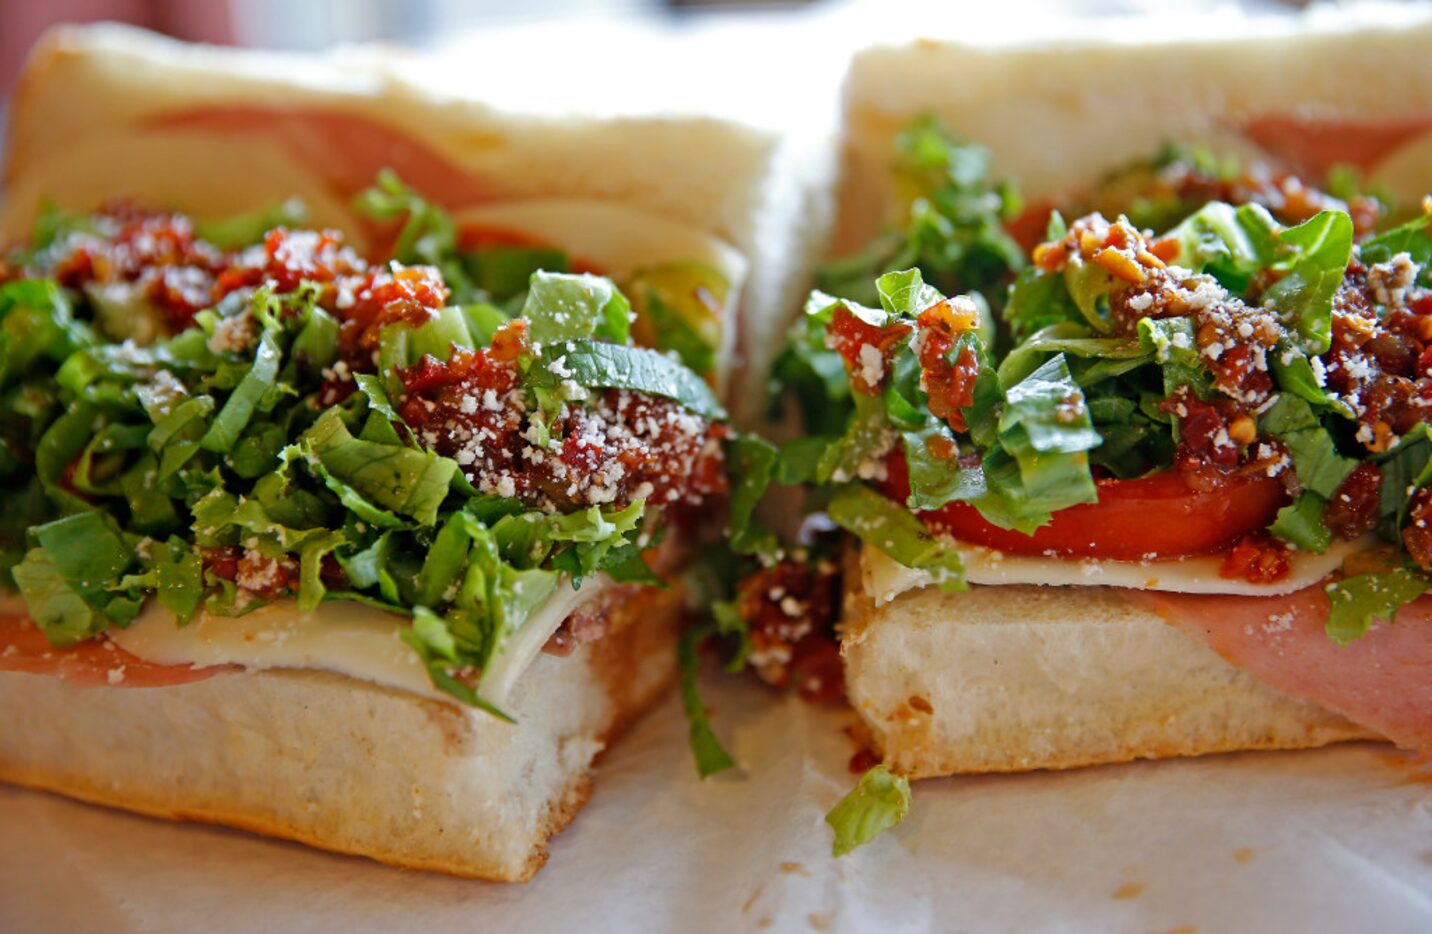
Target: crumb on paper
<point x="794" y="868"/>
<point x="1129" y="890"/>
<point x="1244" y="855"/>
<point x="820" y="920"/>
<point x="746" y="908"/>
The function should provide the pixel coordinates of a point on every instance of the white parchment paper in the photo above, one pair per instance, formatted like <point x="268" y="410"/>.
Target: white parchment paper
<point x="1330" y="840"/>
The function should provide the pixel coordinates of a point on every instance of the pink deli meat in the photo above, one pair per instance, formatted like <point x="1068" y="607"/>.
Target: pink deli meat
<point x="1382" y="681"/>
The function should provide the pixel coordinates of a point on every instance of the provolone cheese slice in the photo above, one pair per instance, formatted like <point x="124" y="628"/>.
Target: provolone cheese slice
<point x="342" y="637"/>
<point x="885" y="578"/>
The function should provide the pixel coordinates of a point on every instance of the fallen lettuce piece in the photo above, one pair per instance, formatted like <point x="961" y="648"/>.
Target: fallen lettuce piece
<point x="711" y="756"/>
<point x="879" y="801"/>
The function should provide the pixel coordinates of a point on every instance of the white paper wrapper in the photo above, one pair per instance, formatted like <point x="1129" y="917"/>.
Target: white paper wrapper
<point x="1332" y="840"/>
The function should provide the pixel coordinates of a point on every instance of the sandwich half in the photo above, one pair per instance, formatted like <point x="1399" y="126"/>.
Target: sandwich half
<point x="357" y="437"/>
<point x="1134" y="463"/>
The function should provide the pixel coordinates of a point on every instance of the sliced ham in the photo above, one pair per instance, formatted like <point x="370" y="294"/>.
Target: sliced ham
<point x="1314" y="146"/>
<point x="343" y="149"/>
<point x="92" y="663"/>
<point x="1382" y="681"/>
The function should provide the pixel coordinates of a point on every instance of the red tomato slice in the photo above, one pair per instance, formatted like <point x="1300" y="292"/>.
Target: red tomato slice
<point x="1157" y="516"/>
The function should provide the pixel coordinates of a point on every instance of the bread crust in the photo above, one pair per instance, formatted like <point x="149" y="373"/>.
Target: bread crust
<point x="1105" y="103"/>
<point x="349" y="766"/>
<point x="93" y="82"/>
<point x="1016" y="678"/>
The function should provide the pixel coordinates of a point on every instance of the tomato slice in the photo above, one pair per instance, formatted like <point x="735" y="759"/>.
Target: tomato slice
<point x="1157" y="516"/>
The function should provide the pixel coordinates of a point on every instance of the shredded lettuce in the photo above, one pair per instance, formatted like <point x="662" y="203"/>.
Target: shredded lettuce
<point x="134" y="472"/>
<point x="879" y="801"/>
<point x="711" y="757"/>
<point x="1300" y="523"/>
<point x="1320" y="249"/>
<point x="66" y="578"/>
<point x="884" y="524"/>
<point x="1412" y="238"/>
<point x="593" y="365"/>
<point x="1230" y="243"/>
<point x="1358" y="601"/>
<point x="562" y="307"/>
<point x="1319" y="466"/>
<point x="953" y="227"/>
<point x="751" y="464"/>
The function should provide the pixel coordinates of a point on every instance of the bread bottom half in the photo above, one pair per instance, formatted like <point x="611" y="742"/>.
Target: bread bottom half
<point x="346" y="765"/>
<point x="1013" y="678"/>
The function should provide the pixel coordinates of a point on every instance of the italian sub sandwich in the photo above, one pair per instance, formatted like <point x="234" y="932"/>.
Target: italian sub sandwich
<point x="356" y="438"/>
<point x="1134" y="465"/>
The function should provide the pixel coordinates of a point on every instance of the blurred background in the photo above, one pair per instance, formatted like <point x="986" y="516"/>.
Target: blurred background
<point x="441" y="24"/>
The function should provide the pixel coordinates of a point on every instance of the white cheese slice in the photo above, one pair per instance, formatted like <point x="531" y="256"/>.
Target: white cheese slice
<point x="342" y="637"/>
<point x="885" y="578"/>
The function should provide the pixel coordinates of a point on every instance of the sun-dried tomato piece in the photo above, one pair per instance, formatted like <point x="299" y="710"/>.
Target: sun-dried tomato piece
<point x="865" y="348"/>
<point x="950" y="384"/>
<point x="1417" y="534"/>
<point x="789" y="609"/>
<point x="1352" y="511"/>
<point x="1258" y="558"/>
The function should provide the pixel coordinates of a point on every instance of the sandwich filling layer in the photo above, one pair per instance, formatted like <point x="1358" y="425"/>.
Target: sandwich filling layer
<point x="242" y="443"/>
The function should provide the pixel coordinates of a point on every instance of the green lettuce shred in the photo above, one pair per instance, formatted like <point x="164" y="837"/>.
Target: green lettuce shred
<point x="879" y="801"/>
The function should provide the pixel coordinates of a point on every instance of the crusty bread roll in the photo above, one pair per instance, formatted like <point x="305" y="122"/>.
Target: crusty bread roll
<point x="1006" y="679"/>
<point x="1024" y="677"/>
<point x="347" y="765"/>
